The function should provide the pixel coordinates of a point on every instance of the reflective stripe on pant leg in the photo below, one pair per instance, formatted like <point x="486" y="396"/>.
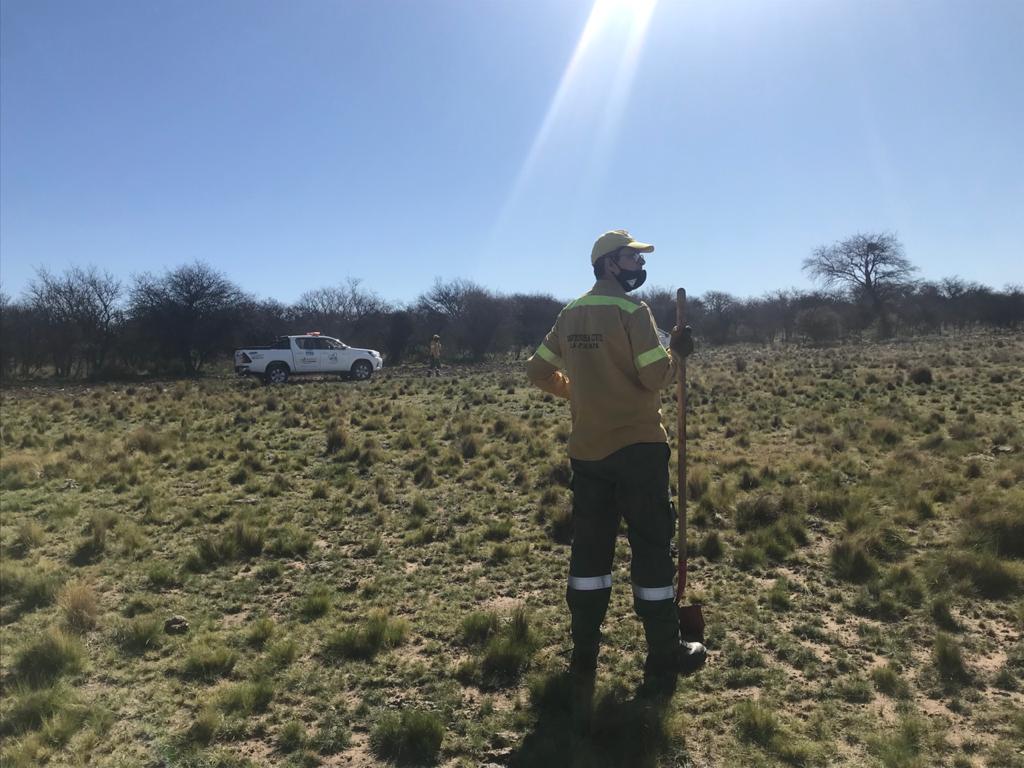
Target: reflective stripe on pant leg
<point x="588" y="583"/>
<point x="595" y="524"/>
<point x="654" y="593"/>
<point x="646" y="504"/>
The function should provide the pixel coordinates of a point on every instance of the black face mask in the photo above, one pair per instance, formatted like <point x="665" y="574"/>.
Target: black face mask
<point x="631" y="279"/>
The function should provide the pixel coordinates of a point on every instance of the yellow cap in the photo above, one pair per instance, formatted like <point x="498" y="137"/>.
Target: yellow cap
<point x="611" y="241"/>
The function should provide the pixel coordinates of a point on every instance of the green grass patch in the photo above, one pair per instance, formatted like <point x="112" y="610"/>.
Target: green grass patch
<point x="378" y="633"/>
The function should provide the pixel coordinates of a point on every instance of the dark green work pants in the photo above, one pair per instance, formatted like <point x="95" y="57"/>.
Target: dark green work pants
<point x="631" y="483"/>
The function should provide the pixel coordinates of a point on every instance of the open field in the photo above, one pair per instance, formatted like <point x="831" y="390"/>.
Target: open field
<point x="374" y="572"/>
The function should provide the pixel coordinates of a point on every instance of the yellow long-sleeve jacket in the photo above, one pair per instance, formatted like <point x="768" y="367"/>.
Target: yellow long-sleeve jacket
<point x="604" y="355"/>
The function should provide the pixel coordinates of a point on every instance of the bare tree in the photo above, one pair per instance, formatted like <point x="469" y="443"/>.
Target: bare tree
<point x="533" y="315"/>
<point x="872" y="267"/>
<point x="79" y="311"/>
<point x="470" y="315"/>
<point x="662" y="303"/>
<point x="191" y="312"/>
<point x="715" y="313"/>
<point x="340" y="309"/>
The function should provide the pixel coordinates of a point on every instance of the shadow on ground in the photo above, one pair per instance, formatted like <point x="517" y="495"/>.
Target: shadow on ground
<point x="575" y="727"/>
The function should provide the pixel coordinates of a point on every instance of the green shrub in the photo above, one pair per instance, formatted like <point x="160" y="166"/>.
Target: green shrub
<point x="886" y="432"/>
<point x="30" y="535"/>
<point x="259" y="632"/>
<point x="942" y="614"/>
<point x="145" y="440"/>
<point x="410" y="738"/>
<point x="205" y="727"/>
<point x="749" y="556"/>
<point x="196" y="463"/>
<point x="851" y="561"/>
<point x="420" y="508"/>
<point x="854" y="689"/>
<point x="498" y="530"/>
<point x="902" y="747"/>
<point x="560" y="526"/>
<point x="315" y="603"/>
<point x="29" y="586"/>
<point x="283" y="653"/>
<point x="994" y="527"/>
<point x="248" y="539"/>
<point x="748" y="480"/>
<point x="763" y="510"/>
<point x="508" y="653"/>
<point x="989" y="575"/>
<point x="211" y="551"/>
<point x="208" y="661"/>
<point x="469" y="447"/>
<point x="778" y="595"/>
<point x="830" y="505"/>
<point x="332" y="735"/>
<point x="949" y="660"/>
<point x="697" y="482"/>
<point x="47" y="657"/>
<point x="423" y="476"/>
<point x="289" y="541"/>
<point x="888" y="680"/>
<point x="291" y="737"/>
<point x="160" y="575"/>
<point x="78" y="602"/>
<point x="478" y="627"/>
<point x="500" y="553"/>
<point x="921" y="375"/>
<point x="248" y="697"/>
<point x="371" y="546"/>
<point x="378" y="632"/>
<point x="756" y="722"/>
<point x="138" y="635"/>
<point x="28" y="709"/>
<point x="711" y="547"/>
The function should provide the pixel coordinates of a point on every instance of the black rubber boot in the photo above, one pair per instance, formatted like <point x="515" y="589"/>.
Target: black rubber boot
<point x="584" y="662"/>
<point x="661" y="671"/>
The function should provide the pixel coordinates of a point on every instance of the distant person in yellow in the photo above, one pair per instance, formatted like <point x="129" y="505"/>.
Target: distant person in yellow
<point x="603" y="354"/>
<point x="435" y="356"/>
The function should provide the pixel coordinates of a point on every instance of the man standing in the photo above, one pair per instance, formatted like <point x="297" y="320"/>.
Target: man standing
<point x="435" y="356"/>
<point x="604" y="356"/>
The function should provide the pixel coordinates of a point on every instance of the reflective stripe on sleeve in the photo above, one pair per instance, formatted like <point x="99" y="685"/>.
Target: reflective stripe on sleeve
<point x="654" y="593"/>
<point x="546" y="354"/>
<point x="651" y="356"/>
<point x="587" y="583"/>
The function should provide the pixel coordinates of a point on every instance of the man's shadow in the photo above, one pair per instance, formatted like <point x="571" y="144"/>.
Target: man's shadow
<point x="575" y="728"/>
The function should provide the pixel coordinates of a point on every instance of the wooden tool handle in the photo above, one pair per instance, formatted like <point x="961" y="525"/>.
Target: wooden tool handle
<point x="681" y="442"/>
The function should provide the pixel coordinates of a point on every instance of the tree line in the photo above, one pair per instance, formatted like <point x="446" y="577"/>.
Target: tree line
<point x="86" y="323"/>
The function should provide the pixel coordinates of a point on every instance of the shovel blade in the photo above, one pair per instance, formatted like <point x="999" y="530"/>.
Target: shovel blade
<point x="691" y="623"/>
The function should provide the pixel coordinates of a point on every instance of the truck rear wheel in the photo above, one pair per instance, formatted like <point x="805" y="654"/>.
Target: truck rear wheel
<point x="277" y="374"/>
<point x="361" y="370"/>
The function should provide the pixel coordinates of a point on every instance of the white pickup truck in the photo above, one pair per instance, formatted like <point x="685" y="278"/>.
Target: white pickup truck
<point x="307" y="354"/>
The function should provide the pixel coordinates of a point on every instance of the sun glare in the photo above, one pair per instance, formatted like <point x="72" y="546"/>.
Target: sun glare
<point x="628" y="18"/>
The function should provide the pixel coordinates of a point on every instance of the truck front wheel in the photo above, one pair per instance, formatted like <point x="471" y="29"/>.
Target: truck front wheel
<point x="277" y="374"/>
<point x="361" y="370"/>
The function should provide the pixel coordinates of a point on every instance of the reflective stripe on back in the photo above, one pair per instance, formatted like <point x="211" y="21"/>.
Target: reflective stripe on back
<point x="605" y="301"/>
<point x="651" y="356"/>
<point x="588" y="583"/>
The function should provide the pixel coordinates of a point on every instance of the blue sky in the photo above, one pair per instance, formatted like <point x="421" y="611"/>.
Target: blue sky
<point x="294" y="144"/>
